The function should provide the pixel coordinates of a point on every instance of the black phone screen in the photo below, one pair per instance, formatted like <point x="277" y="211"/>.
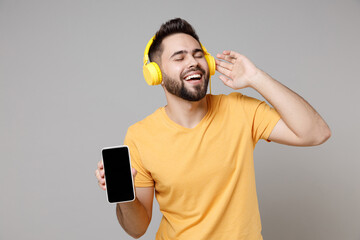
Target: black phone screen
<point x="118" y="177"/>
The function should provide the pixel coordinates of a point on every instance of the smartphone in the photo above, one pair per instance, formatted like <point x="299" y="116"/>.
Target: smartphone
<point x="118" y="176"/>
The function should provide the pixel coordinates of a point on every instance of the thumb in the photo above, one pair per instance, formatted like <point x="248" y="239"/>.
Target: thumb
<point x="227" y="81"/>
<point x="134" y="172"/>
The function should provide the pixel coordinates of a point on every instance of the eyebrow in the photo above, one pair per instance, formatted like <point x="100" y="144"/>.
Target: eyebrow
<point x="184" y="52"/>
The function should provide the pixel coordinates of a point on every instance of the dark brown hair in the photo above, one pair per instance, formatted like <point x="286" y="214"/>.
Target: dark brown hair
<point x="176" y="25"/>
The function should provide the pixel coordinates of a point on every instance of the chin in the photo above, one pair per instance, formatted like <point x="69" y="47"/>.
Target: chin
<point x="193" y="96"/>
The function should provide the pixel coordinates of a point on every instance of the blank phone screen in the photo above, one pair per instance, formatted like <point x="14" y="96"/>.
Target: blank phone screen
<point x="118" y="177"/>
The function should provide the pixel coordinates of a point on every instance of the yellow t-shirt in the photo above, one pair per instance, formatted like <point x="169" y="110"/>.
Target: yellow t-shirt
<point x="204" y="177"/>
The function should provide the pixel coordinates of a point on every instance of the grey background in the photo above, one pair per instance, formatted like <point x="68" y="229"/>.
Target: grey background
<point x="71" y="83"/>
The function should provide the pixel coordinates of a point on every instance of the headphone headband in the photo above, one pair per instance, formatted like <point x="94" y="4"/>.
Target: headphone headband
<point x="148" y="45"/>
<point x="147" y="48"/>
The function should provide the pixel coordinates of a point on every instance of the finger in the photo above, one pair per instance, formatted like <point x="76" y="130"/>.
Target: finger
<point x="232" y="54"/>
<point x="230" y="59"/>
<point x="97" y="175"/>
<point x="102" y="173"/>
<point x="222" y="69"/>
<point x="101" y="181"/>
<point x="134" y="172"/>
<point x="227" y="81"/>
<point x="102" y="186"/>
<point x="225" y="65"/>
<point x="226" y="58"/>
<point x="100" y="165"/>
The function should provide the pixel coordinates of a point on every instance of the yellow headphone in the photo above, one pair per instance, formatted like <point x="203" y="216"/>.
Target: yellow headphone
<point x="152" y="72"/>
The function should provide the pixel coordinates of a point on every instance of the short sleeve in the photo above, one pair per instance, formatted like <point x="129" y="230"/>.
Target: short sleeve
<point x="143" y="177"/>
<point x="265" y="119"/>
<point x="261" y="116"/>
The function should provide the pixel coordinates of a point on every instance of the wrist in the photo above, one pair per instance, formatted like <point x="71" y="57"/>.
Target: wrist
<point x="128" y="205"/>
<point x="257" y="79"/>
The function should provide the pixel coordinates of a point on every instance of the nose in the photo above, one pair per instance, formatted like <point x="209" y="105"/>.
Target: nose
<point x="192" y="62"/>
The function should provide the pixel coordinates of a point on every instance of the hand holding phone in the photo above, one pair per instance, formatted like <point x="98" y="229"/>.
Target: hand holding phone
<point x="117" y="174"/>
<point x="100" y="175"/>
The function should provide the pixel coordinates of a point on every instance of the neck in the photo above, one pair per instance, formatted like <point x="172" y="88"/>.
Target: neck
<point x="185" y="113"/>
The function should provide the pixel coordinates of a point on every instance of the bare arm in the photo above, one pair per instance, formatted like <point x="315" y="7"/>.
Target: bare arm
<point x="133" y="216"/>
<point x="300" y="124"/>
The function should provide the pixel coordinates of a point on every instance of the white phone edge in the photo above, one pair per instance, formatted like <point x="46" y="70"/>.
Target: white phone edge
<point x="132" y="179"/>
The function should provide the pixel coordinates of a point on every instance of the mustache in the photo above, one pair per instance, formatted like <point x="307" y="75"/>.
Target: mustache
<point x="192" y="70"/>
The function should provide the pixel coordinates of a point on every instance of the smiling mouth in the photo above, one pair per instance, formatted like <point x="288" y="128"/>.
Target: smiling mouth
<point x="193" y="77"/>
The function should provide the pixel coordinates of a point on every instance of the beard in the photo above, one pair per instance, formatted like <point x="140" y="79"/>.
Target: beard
<point x="178" y="88"/>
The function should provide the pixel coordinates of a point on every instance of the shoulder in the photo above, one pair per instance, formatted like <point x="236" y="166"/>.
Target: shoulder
<point x="235" y="103"/>
<point x="232" y="98"/>
<point x="145" y="124"/>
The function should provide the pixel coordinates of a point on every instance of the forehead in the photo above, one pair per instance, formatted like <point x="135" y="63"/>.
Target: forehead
<point x="178" y="42"/>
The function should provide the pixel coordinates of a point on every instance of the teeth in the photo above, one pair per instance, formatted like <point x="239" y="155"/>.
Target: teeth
<point x="193" y="76"/>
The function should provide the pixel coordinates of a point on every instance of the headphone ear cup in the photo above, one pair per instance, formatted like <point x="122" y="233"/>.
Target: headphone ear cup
<point x="211" y="63"/>
<point x="152" y="73"/>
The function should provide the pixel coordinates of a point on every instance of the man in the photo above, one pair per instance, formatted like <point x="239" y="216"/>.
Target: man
<point x="197" y="151"/>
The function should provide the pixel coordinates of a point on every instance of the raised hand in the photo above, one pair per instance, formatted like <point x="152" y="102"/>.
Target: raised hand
<point x="238" y="71"/>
